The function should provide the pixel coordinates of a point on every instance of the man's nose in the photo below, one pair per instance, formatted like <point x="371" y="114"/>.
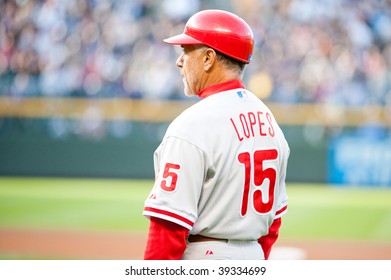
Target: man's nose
<point x="179" y="61"/>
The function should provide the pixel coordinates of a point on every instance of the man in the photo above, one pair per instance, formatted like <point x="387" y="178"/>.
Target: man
<point x="219" y="191"/>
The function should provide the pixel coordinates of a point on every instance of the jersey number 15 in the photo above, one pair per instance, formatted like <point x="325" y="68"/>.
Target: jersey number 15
<point x="260" y="175"/>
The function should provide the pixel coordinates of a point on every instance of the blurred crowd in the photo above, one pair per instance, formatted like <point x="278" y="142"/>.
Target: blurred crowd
<point x="330" y="51"/>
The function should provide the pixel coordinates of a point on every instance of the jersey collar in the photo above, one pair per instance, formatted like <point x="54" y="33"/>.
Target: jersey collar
<point x="220" y="87"/>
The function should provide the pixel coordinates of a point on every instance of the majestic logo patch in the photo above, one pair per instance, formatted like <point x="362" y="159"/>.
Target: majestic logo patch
<point x="209" y="252"/>
<point x="241" y="94"/>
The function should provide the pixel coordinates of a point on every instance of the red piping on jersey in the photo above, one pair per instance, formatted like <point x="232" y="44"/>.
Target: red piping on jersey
<point x="281" y="210"/>
<point x="208" y="91"/>
<point x="172" y="215"/>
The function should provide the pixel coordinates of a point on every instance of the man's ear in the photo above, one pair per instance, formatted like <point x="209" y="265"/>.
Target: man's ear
<point x="210" y="58"/>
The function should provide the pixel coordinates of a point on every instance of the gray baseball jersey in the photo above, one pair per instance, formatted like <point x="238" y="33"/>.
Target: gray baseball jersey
<point x="220" y="169"/>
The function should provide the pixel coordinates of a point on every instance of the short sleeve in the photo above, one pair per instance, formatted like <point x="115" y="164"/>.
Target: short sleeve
<point x="178" y="183"/>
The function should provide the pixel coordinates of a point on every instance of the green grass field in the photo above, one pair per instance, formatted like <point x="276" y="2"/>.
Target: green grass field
<point x="315" y="211"/>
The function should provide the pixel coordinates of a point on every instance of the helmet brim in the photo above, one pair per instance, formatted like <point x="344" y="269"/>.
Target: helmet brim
<point x="182" y="39"/>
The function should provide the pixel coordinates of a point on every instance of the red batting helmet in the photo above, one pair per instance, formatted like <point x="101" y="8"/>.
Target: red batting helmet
<point x="220" y="30"/>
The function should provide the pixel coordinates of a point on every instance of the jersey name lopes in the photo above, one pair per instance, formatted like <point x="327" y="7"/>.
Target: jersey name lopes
<point x="253" y="124"/>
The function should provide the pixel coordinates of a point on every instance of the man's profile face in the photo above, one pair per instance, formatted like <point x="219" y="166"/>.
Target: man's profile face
<point x="190" y="61"/>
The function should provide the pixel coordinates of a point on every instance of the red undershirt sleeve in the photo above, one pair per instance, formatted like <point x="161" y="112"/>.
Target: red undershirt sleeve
<point x="166" y="240"/>
<point x="268" y="240"/>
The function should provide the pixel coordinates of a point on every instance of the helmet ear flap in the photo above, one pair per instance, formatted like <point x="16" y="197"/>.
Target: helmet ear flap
<point x="219" y="30"/>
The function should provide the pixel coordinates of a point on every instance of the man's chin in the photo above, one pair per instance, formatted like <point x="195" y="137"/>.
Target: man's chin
<point x="190" y="93"/>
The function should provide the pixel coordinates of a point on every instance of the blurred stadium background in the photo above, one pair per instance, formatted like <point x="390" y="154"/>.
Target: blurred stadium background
<point x="87" y="89"/>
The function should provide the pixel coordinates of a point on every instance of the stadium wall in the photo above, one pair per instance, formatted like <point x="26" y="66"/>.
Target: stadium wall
<point x="28" y="148"/>
<point x="116" y="138"/>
